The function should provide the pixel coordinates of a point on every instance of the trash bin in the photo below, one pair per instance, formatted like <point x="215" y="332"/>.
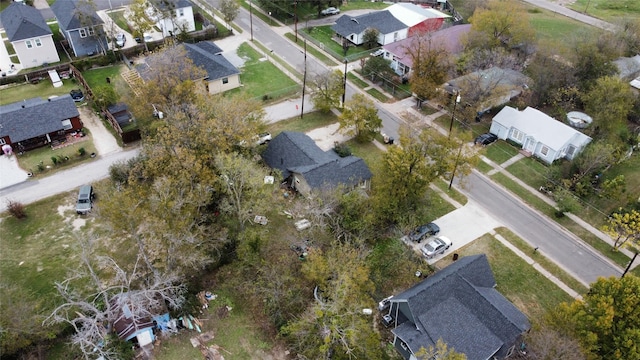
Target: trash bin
<point x="390" y="141"/>
<point x="455" y="256"/>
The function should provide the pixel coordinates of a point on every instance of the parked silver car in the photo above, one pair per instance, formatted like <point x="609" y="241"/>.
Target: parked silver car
<point x="436" y="246"/>
<point x="120" y="40"/>
<point x="330" y="11"/>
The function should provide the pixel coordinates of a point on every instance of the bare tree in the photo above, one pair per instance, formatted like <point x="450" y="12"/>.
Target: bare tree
<point x="229" y="10"/>
<point x="94" y="294"/>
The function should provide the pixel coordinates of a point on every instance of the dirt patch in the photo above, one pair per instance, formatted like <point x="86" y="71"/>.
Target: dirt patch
<point x="76" y="222"/>
<point x="102" y="139"/>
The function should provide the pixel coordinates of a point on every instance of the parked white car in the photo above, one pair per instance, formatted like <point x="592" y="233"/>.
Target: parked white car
<point x="120" y="40"/>
<point x="330" y="11"/>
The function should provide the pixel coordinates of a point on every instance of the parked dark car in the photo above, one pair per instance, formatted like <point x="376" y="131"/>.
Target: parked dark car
<point x="424" y="231"/>
<point x="436" y="247"/>
<point x="485" y="139"/>
<point x="77" y="95"/>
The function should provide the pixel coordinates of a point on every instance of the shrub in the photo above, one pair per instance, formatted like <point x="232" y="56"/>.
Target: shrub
<point x="82" y="151"/>
<point x="16" y="209"/>
<point x="54" y="160"/>
<point x="342" y="150"/>
<point x="40" y="166"/>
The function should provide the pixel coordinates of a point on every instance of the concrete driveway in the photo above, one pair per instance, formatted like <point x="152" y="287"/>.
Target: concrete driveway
<point x="10" y="171"/>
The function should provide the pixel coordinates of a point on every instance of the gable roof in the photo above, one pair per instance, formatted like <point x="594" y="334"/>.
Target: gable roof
<point x="171" y="4"/>
<point x="35" y="117"/>
<point x="491" y="77"/>
<point x="459" y="305"/>
<point x="208" y="56"/>
<point x="412" y="14"/>
<point x="383" y="21"/>
<point x="448" y="39"/>
<point x="544" y="128"/>
<point x="68" y="13"/>
<point x="294" y="152"/>
<point x="22" y="22"/>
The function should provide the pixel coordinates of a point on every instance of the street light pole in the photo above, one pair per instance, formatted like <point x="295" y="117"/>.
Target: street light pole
<point x="455" y="166"/>
<point x="344" y="82"/>
<point x="304" y="78"/>
<point x="295" y="15"/>
<point x="453" y="113"/>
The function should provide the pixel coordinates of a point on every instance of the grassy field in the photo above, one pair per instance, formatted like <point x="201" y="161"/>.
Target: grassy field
<point x="530" y="171"/>
<point x="500" y="151"/>
<point x="378" y="95"/>
<point x="30" y="160"/>
<point x="324" y="35"/>
<point x="606" y="9"/>
<point x="119" y="19"/>
<point x="312" y="120"/>
<point x="312" y="50"/>
<point x="553" y="27"/>
<point x="357" y="81"/>
<point x="452" y="193"/>
<point x="262" y="78"/>
<point x="519" y="282"/>
<point x="43" y="89"/>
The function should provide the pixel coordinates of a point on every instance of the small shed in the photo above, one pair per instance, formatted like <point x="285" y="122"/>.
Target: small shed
<point x="579" y="120"/>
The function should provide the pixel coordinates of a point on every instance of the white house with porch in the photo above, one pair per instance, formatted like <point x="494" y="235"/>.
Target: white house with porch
<point x="539" y="134"/>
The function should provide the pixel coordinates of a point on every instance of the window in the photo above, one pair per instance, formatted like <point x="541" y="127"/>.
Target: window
<point x="83" y="33"/>
<point x="2" y="142"/>
<point x="571" y="150"/>
<point x="517" y="134"/>
<point x="404" y="346"/>
<point x="91" y="31"/>
<point x="544" y="151"/>
<point x="180" y="12"/>
<point x="395" y="36"/>
<point x="225" y="80"/>
<point x="66" y="124"/>
<point x="29" y="44"/>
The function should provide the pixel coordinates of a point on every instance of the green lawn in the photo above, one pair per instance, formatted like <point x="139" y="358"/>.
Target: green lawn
<point x="452" y="193"/>
<point x="519" y="282"/>
<point x="606" y="9"/>
<point x="98" y="77"/>
<point x="530" y="171"/>
<point x="357" y="81"/>
<point x="378" y="95"/>
<point x="119" y="19"/>
<point x="311" y="50"/>
<point x="483" y="167"/>
<point x="500" y="151"/>
<point x="553" y="27"/>
<point x="262" y="79"/>
<point x="312" y="120"/>
<point x="30" y="160"/>
<point x="43" y="89"/>
<point x="324" y="35"/>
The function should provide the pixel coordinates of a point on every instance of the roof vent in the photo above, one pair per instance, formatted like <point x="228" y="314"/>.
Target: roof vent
<point x="23" y="106"/>
<point x="355" y="20"/>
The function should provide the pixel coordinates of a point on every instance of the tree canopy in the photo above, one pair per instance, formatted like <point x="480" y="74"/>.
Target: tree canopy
<point x="360" y="118"/>
<point x="501" y="23"/>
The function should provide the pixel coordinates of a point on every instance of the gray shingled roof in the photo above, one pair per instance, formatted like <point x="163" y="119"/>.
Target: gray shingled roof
<point x="383" y="21"/>
<point x="460" y="305"/>
<point x="23" y="22"/>
<point x="171" y="4"/>
<point x="292" y="152"/>
<point x="36" y="118"/>
<point x="68" y="14"/>
<point x="208" y="56"/>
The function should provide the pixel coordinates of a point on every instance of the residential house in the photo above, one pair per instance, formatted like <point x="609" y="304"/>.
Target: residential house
<point x="221" y="74"/>
<point x="81" y="27"/>
<point x="488" y="88"/>
<point x="352" y="28"/>
<point x="37" y="122"/>
<point x="419" y="19"/>
<point x="448" y="39"/>
<point x="30" y="35"/>
<point x="172" y="16"/>
<point x="460" y="305"/>
<point x="306" y="167"/>
<point x="539" y="134"/>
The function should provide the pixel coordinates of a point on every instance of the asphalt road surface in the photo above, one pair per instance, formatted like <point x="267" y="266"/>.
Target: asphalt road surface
<point x="561" y="246"/>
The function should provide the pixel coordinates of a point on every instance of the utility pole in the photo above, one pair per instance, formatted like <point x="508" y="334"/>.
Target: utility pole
<point x="453" y="113"/>
<point x="304" y="79"/>
<point x="251" y="18"/>
<point x="455" y="166"/>
<point x="295" y="20"/>
<point x="344" y="82"/>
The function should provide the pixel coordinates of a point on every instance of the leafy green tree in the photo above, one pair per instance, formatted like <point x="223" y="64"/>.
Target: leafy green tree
<point x="104" y="96"/>
<point x="377" y="67"/>
<point x="609" y="103"/>
<point x="360" y="118"/>
<point x="441" y="352"/>
<point x="592" y="59"/>
<point x="613" y="188"/>
<point x="335" y="322"/>
<point x="591" y="161"/>
<point x="607" y="320"/>
<point x="501" y="23"/>
<point x="137" y="16"/>
<point x="327" y="90"/>
<point x="229" y="10"/>
<point x="624" y="227"/>
<point x="431" y="66"/>
<point x="548" y="74"/>
<point x="370" y="37"/>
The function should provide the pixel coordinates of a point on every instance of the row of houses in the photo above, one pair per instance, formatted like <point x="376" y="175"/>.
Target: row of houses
<point x="81" y="27"/>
